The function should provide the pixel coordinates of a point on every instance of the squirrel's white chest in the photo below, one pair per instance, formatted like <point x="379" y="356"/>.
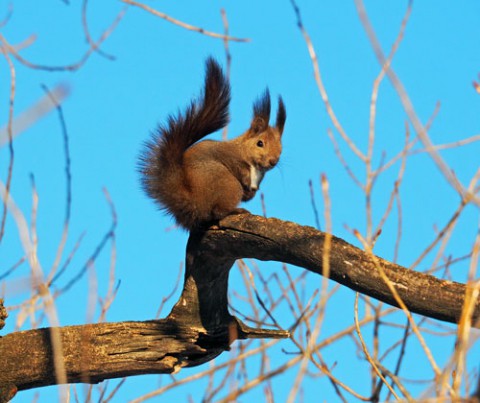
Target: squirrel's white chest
<point x="256" y="176"/>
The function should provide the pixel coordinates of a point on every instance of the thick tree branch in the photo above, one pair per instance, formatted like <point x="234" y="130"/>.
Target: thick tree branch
<point x="272" y="239"/>
<point x="200" y="326"/>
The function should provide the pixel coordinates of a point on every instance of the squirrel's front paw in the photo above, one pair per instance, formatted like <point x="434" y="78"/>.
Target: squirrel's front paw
<point x="248" y="194"/>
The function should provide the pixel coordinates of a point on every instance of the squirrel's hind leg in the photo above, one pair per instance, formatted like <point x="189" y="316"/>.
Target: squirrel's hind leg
<point x="226" y="201"/>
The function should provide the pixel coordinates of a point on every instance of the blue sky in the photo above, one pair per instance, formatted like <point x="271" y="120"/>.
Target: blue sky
<point x="158" y="67"/>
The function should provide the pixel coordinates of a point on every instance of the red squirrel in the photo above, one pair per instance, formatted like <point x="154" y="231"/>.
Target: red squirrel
<point x="201" y="182"/>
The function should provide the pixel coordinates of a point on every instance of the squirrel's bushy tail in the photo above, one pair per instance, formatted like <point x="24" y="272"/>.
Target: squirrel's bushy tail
<point x="161" y="162"/>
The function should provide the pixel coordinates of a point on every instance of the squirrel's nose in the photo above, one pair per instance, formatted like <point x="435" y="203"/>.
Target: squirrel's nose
<point x="273" y="162"/>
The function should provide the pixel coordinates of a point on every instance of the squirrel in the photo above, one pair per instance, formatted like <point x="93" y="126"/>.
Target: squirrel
<point x="199" y="182"/>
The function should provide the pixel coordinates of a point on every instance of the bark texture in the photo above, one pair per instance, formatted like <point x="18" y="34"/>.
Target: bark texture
<point x="303" y="246"/>
<point x="199" y="326"/>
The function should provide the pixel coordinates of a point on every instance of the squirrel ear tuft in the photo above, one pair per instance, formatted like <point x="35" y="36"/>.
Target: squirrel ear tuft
<point x="281" y="115"/>
<point x="258" y="125"/>
<point x="261" y="112"/>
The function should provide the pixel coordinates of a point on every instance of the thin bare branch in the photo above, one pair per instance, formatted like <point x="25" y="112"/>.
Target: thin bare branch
<point x="367" y="354"/>
<point x="321" y="86"/>
<point x="89" y="38"/>
<point x="183" y="24"/>
<point x="69" y="67"/>
<point x="410" y="111"/>
<point x="10" y="140"/>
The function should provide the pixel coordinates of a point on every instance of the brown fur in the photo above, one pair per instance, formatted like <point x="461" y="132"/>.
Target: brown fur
<point x="200" y="182"/>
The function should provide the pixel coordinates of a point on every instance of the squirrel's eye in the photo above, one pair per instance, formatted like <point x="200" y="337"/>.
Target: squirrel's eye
<point x="259" y="143"/>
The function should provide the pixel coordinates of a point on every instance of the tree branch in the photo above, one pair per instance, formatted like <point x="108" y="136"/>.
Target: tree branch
<point x="199" y="326"/>
<point x="272" y="239"/>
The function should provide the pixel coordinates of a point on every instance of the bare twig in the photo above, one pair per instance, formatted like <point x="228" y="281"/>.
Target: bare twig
<point x="109" y="235"/>
<point x="410" y="111"/>
<point x="43" y="106"/>
<point x="112" y="289"/>
<point x="12" y="269"/>
<point x="450" y="224"/>
<point x="42" y="289"/>
<point x="321" y="86"/>
<point x="402" y="305"/>
<point x="323" y="299"/>
<point x="172" y="293"/>
<point x="367" y="354"/>
<point x="89" y="38"/>
<point x="370" y="174"/>
<point x="183" y="24"/>
<point x="69" y="67"/>
<point x="228" y="57"/>
<point x="8" y="15"/>
<point x="314" y="205"/>
<point x="10" y="140"/>
<point x="68" y="176"/>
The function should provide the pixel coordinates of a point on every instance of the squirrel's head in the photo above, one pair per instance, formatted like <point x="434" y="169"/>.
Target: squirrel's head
<point x="262" y="141"/>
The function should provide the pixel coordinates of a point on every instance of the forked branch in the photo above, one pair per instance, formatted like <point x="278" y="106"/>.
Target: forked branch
<point x="200" y="326"/>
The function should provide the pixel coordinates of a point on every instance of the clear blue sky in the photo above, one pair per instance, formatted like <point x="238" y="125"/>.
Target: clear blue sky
<point x="114" y="105"/>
